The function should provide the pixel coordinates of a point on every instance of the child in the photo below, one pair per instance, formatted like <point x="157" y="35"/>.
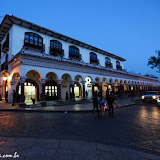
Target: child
<point x="103" y="106"/>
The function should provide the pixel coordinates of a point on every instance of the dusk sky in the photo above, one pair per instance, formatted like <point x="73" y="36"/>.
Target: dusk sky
<point x="127" y="28"/>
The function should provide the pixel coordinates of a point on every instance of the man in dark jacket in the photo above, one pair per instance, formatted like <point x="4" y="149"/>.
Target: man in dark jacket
<point x="110" y="101"/>
<point x="95" y="105"/>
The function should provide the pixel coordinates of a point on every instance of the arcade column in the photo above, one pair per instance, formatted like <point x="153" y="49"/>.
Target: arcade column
<point x="93" y="93"/>
<point x="22" y="81"/>
<point x="59" y="90"/>
<point x="101" y="90"/>
<point x="43" y="103"/>
<point x="72" y="94"/>
<point x="84" y="93"/>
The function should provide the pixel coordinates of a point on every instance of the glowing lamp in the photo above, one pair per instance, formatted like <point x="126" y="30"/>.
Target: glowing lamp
<point x="4" y="78"/>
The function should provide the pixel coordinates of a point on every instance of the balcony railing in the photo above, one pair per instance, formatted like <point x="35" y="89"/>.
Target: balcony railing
<point x="5" y="47"/>
<point x="4" y="67"/>
<point x="56" y="52"/>
<point x="34" y="47"/>
<point x="75" y="56"/>
<point x="94" y="61"/>
<point x="119" y="68"/>
<point x="109" y="65"/>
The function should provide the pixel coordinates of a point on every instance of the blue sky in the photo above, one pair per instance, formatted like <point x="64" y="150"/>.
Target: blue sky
<point x="127" y="28"/>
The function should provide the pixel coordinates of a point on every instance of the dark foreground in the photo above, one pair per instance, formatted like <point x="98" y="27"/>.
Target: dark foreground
<point x="136" y="127"/>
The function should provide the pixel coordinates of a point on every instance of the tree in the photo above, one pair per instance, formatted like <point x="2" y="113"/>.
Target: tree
<point x="154" y="61"/>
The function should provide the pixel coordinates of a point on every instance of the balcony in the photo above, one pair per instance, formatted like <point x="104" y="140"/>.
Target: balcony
<point x="56" y="52"/>
<point x="109" y="65"/>
<point x="119" y="68"/>
<point x="34" y="47"/>
<point x="94" y="61"/>
<point x="75" y="56"/>
<point x="4" y="67"/>
<point x="5" y="46"/>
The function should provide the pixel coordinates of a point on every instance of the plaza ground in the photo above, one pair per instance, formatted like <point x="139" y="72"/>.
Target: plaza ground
<point x="133" y="133"/>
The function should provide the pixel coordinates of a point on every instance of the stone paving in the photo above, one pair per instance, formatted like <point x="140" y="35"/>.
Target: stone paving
<point x="59" y="136"/>
<point x="50" y="149"/>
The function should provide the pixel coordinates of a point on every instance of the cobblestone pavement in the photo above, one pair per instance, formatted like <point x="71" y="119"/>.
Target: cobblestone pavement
<point x="133" y="128"/>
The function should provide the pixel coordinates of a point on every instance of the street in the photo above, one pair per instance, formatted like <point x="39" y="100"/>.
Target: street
<point x="136" y="127"/>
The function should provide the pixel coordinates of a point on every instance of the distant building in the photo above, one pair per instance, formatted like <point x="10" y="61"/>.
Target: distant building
<point x="41" y="64"/>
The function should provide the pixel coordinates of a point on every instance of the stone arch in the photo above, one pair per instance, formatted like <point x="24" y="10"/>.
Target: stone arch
<point x="77" y="90"/>
<point x="34" y="77"/>
<point x="51" y="86"/>
<point x="78" y="78"/>
<point x="97" y="80"/>
<point x="29" y="93"/>
<point x="88" y="86"/>
<point x="110" y="80"/>
<point x="33" y="74"/>
<point x="15" y="77"/>
<point x="125" y="87"/>
<point x="78" y="86"/>
<point x="116" y="87"/>
<point x="104" y="87"/>
<point x="51" y="76"/>
<point x="65" y="85"/>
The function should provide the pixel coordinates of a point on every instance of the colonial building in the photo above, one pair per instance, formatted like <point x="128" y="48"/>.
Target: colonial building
<point x="39" y="63"/>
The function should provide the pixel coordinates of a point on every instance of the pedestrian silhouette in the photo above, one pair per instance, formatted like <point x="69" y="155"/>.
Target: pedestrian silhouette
<point x="110" y="101"/>
<point x="95" y="106"/>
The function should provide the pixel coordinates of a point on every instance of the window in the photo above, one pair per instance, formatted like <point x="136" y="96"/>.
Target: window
<point x="33" y="39"/>
<point x="55" y="44"/>
<point x="93" y="57"/>
<point x="117" y="64"/>
<point x="51" y="90"/>
<point x="107" y="60"/>
<point x="5" y="46"/>
<point x="74" y="51"/>
<point x="6" y="58"/>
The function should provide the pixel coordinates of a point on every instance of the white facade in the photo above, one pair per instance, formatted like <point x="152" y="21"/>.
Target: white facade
<point x="66" y="72"/>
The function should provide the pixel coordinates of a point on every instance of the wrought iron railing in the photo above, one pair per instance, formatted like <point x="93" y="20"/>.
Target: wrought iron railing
<point x="56" y="52"/>
<point x="33" y="46"/>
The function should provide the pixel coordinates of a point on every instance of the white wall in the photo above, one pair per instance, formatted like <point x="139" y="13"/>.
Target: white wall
<point x="18" y="42"/>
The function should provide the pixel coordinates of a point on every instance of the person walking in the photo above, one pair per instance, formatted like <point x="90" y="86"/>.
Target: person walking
<point x="110" y="100"/>
<point x="95" y="106"/>
<point x="86" y="94"/>
<point x="14" y="97"/>
<point x="103" y="106"/>
<point x="67" y="96"/>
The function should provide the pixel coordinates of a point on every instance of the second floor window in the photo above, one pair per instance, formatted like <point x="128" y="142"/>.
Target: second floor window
<point x="33" y="39"/>
<point x="93" y="56"/>
<point x="6" y="58"/>
<point x="118" y="64"/>
<point x="73" y="51"/>
<point x="54" y="44"/>
<point x="107" y="61"/>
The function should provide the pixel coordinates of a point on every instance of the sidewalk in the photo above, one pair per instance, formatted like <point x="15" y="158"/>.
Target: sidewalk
<point x="51" y="149"/>
<point x="83" y="106"/>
